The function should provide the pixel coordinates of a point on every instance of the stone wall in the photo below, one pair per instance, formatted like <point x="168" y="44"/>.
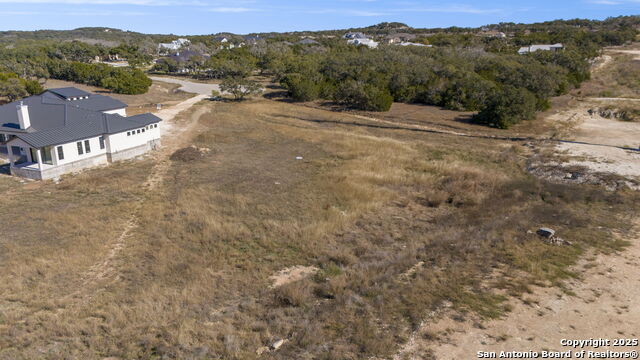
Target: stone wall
<point x="26" y="173"/>
<point x="75" y="166"/>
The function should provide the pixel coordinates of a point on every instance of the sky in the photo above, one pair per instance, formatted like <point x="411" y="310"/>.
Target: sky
<point x="193" y="17"/>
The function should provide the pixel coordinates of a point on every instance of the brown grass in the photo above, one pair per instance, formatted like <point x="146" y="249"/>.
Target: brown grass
<point x="364" y="205"/>
<point x="620" y="79"/>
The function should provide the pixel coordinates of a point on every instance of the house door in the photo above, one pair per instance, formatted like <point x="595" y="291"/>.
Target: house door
<point x="34" y="155"/>
<point x="17" y="155"/>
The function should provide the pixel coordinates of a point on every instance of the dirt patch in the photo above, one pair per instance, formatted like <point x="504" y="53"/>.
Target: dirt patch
<point x="601" y="304"/>
<point x="292" y="274"/>
<point x="599" y="144"/>
<point x="188" y="154"/>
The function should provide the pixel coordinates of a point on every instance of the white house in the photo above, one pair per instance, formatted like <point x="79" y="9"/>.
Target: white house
<point x="366" y="42"/>
<point x="174" y="45"/>
<point x="66" y="130"/>
<point x="533" y="48"/>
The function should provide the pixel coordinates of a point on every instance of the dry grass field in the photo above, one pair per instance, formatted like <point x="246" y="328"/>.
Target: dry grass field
<point x="617" y="75"/>
<point x="397" y="222"/>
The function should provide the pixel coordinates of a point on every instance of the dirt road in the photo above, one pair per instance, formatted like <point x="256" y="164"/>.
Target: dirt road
<point x="636" y="53"/>
<point x="189" y="86"/>
<point x="614" y="99"/>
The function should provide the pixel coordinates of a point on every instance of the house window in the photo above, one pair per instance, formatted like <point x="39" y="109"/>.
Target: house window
<point x="60" y="153"/>
<point x="101" y="142"/>
<point x="143" y="130"/>
<point x="79" y="144"/>
<point x="138" y="131"/>
<point x="128" y="133"/>
<point x="46" y="155"/>
<point x="87" y="148"/>
<point x="155" y="125"/>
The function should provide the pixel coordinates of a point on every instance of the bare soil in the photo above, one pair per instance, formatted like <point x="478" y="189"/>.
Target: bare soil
<point x="292" y="274"/>
<point x="601" y="303"/>
<point x="599" y="143"/>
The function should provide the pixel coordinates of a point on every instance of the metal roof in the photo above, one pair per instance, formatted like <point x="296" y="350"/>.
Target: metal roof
<point x="69" y="92"/>
<point x="85" y="100"/>
<point x="55" y="121"/>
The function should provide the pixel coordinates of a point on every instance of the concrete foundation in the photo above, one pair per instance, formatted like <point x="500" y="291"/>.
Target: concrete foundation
<point x="129" y="153"/>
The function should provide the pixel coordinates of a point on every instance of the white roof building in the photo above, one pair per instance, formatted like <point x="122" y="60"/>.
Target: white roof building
<point x="175" y="44"/>
<point x="534" y="48"/>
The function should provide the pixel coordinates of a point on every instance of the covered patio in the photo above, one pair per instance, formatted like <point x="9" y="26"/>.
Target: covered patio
<point x="29" y="162"/>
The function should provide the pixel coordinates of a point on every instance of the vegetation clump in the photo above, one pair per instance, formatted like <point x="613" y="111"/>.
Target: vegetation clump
<point x="13" y="88"/>
<point x="240" y="88"/>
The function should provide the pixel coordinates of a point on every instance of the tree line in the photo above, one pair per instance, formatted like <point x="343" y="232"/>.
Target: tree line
<point x="463" y="71"/>
<point x="36" y="61"/>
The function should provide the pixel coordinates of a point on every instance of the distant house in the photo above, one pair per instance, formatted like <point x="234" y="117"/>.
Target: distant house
<point x="366" y="42"/>
<point x="398" y="38"/>
<point x="226" y="43"/>
<point x="183" y="56"/>
<point x="66" y="130"/>
<point x="174" y="45"/>
<point x="308" y="42"/>
<point x="534" y="48"/>
<point x="354" y="35"/>
<point x="252" y="39"/>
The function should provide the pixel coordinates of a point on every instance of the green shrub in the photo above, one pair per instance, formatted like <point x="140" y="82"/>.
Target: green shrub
<point x="363" y="96"/>
<point x="119" y="80"/>
<point x="507" y="107"/>
<point x="301" y="88"/>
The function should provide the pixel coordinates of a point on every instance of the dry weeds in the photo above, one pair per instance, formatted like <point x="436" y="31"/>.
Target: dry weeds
<point x="364" y="206"/>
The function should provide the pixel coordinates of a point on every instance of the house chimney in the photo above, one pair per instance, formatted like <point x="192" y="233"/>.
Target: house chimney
<point x="23" y="116"/>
